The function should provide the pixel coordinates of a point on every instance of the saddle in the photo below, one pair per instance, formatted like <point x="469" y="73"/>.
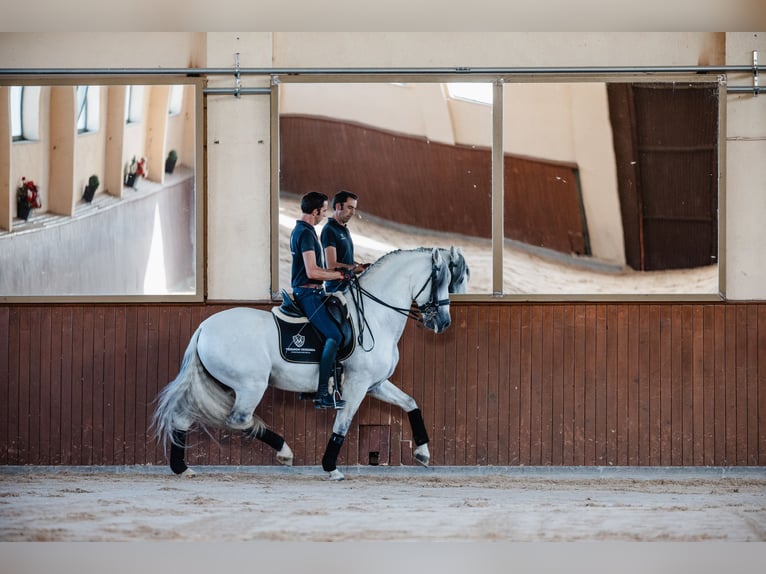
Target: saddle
<point x="299" y="341"/>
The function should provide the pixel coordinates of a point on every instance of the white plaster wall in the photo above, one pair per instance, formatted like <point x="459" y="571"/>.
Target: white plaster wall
<point x="745" y="217"/>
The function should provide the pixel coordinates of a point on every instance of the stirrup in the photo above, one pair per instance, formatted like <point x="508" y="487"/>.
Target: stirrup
<point x="329" y="402"/>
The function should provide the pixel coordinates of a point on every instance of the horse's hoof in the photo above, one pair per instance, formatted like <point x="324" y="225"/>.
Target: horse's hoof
<point x="285" y="455"/>
<point x="336" y="475"/>
<point x="422" y="455"/>
<point x="188" y="473"/>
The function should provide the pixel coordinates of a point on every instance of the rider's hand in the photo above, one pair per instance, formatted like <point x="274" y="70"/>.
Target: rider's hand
<point x="346" y="277"/>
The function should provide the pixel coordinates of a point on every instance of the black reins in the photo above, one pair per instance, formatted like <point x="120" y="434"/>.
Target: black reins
<point x="427" y="311"/>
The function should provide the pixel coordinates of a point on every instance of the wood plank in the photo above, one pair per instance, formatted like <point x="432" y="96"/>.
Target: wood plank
<point x="546" y="390"/>
<point x="472" y="387"/>
<point x="579" y="385"/>
<point x="666" y="383"/>
<point x="514" y="385"/>
<point x="110" y="358"/>
<point x="708" y="385"/>
<point x="719" y="383"/>
<point x="493" y="386"/>
<point x="6" y="375"/>
<point x="741" y="386"/>
<point x="99" y="384"/>
<point x="676" y="387"/>
<point x="568" y="385"/>
<point x="697" y="384"/>
<point x="750" y="414"/>
<point x="762" y="385"/>
<point x="24" y="382"/>
<point x="730" y="403"/>
<point x="505" y="419"/>
<point x="620" y="433"/>
<point x="450" y="388"/>
<point x="602" y="406"/>
<point x="46" y="403"/>
<point x="687" y="382"/>
<point x="591" y="346"/>
<point x="536" y="395"/>
<point x="85" y="391"/>
<point x="525" y="395"/>
<point x="37" y="351"/>
<point x="634" y="396"/>
<point x="557" y="386"/>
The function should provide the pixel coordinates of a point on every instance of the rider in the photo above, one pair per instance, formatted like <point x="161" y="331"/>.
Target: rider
<point x="308" y="274"/>
<point x="336" y="238"/>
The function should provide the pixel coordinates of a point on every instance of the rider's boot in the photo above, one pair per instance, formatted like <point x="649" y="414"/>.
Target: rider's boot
<point x="325" y="398"/>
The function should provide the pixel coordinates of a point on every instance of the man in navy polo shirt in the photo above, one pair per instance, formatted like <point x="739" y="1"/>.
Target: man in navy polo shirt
<point x="336" y="238"/>
<point x="308" y="275"/>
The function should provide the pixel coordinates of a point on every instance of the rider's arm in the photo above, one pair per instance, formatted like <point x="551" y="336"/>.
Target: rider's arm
<point x="331" y="256"/>
<point x="317" y="273"/>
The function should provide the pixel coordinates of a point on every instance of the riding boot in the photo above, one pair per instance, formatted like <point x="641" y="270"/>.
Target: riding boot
<point x="326" y="399"/>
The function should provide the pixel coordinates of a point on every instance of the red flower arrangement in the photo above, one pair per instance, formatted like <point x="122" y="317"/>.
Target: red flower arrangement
<point x="27" y="194"/>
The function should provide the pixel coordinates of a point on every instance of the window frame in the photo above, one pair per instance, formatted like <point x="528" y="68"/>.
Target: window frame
<point x="498" y="82"/>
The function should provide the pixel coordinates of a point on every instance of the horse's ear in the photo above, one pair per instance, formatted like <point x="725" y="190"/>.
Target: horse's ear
<point x="453" y="253"/>
<point x="436" y="256"/>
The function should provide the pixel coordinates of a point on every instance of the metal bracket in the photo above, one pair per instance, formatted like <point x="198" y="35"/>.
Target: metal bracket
<point x="756" y="88"/>
<point x="237" y="76"/>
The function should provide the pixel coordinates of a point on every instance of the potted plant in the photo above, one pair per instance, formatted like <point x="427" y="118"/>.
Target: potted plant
<point x="135" y="169"/>
<point x="27" y="198"/>
<point x="170" y="162"/>
<point x="90" y="189"/>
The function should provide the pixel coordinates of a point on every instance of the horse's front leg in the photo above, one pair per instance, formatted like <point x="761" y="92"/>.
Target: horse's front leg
<point x="353" y="397"/>
<point x="390" y="393"/>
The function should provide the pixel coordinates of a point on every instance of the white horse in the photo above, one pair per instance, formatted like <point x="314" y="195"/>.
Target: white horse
<point x="234" y="355"/>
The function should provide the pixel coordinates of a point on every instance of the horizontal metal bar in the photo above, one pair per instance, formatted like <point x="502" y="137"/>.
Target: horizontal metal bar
<point x="235" y="91"/>
<point x="746" y="89"/>
<point x="462" y="71"/>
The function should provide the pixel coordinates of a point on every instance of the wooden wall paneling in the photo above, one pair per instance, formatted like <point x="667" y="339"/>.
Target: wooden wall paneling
<point x="741" y="386"/>
<point x="698" y="429"/>
<point x="67" y="352"/>
<point x="109" y="367"/>
<point x="761" y="385"/>
<point x="622" y="419"/>
<point x="6" y="376"/>
<point x="505" y="419"/>
<point x="665" y="376"/>
<point x="22" y="399"/>
<point x="39" y="358"/>
<point x="751" y="412"/>
<point x="130" y="396"/>
<point x="687" y="404"/>
<point x="654" y="386"/>
<point x="86" y="385"/>
<point x="472" y="386"/>
<point x="561" y="424"/>
<point x="483" y="358"/>
<point x="528" y="367"/>
<point x="43" y="425"/>
<point x="535" y="386"/>
<point x="719" y="379"/>
<point x="448" y="427"/>
<point x="633" y="396"/>
<point x="602" y="383"/>
<point x="514" y="385"/>
<point x="429" y="380"/>
<point x="612" y="384"/>
<point x="675" y="420"/>
<point x="14" y="382"/>
<point x="708" y="386"/>
<point x="589" y="454"/>
<point x="57" y="357"/>
<point x="461" y="391"/>
<point x="99" y="384"/>
<point x="730" y="380"/>
<point x="546" y="390"/>
<point x="579" y="386"/>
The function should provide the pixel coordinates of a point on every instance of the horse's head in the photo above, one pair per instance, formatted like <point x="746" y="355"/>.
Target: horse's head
<point x="435" y="309"/>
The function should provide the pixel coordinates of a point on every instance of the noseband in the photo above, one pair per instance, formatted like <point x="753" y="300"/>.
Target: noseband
<point x="430" y="309"/>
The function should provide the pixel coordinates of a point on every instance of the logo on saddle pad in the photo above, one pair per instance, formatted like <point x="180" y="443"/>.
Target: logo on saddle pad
<point x="300" y="342"/>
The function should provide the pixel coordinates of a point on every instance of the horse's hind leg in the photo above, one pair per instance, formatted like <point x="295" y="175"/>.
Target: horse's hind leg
<point x="177" y="450"/>
<point x="275" y="441"/>
<point x="246" y="399"/>
<point x="390" y="393"/>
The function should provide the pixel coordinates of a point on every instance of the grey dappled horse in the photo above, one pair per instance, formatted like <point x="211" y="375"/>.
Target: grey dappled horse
<point x="234" y="356"/>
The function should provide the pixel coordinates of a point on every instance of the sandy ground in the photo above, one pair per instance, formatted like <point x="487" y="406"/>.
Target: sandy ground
<point x="382" y="504"/>
<point x="524" y="271"/>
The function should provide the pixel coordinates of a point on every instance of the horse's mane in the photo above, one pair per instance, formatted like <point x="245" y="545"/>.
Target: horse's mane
<point x="391" y="254"/>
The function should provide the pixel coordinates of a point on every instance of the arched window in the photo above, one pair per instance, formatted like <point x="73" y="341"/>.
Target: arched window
<point x="176" y="100"/>
<point x="473" y="92"/>
<point x="25" y="113"/>
<point x="134" y="105"/>
<point x="87" y="109"/>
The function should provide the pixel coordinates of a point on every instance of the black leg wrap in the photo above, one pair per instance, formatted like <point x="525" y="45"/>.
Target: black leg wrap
<point x="177" y="447"/>
<point x="331" y="452"/>
<point x="418" y="427"/>
<point x="270" y="438"/>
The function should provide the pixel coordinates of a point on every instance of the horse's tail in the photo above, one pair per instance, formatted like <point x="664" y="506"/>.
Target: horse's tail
<point x="193" y="397"/>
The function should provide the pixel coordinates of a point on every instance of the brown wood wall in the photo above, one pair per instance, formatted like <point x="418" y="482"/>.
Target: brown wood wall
<point x="401" y="178"/>
<point x="507" y="384"/>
